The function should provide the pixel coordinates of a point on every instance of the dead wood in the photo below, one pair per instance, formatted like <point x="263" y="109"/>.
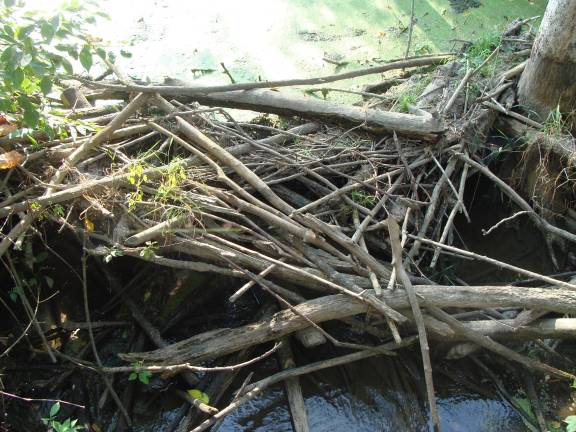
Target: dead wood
<point x="216" y="343"/>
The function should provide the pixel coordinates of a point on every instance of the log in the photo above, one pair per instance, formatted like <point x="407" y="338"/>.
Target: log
<point x="73" y="98"/>
<point x="293" y="389"/>
<point x="552" y="328"/>
<point x="215" y="343"/>
<point x="282" y="103"/>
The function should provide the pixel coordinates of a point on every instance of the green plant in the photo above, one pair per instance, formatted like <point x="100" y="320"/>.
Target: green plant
<point x="149" y="250"/>
<point x="113" y="252"/>
<point x="363" y="198"/>
<point x="482" y="48"/>
<point x="557" y="123"/>
<point x="68" y="425"/>
<point x="136" y="177"/>
<point x="31" y="273"/>
<point x="36" y="51"/>
<point x="405" y="101"/>
<point x="139" y="374"/>
<point x="171" y="182"/>
<point x="570" y="423"/>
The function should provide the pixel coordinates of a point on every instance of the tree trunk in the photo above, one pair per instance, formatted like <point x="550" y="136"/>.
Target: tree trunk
<point x="549" y="77"/>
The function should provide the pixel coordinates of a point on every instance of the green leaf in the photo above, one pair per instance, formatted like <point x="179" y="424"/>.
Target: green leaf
<point x="16" y="77"/>
<point x="33" y="140"/>
<point x="111" y="57"/>
<point x="13" y="294"/>
<point x="25" y="60"/>
<point x="197" y="394"/>
<point x="144" y="377"/>
<point x="55" y="22"/>
<point x="47" y="31"/>
<point x="133" y="375"/>
<point x="55" y="408"/>
<point x="46" y="85"/>
<point x="9" y="3"/>
<point x="570" y="423"/>
<point x="31" y="118"/>
<point x="23" y="32"/>
<point x="86" y="57"/>
<point x="125" y="53"/>
<point x="8" y="57"/>
<point x="101" y="53"/>
<point x="67" y="66"/>
<point x="8" y="30"/>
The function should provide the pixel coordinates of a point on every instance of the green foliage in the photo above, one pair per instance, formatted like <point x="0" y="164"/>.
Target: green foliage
<point x="481" y="49"/>
<point x="570" y="423"/>
<point x="149" y="250"/>
<point x="36" y="50"/>
<point x="140" y="375"/>
<point x="405" y="101"/>
<point x="68" y="425"/>
<point x="363" y="198"/>
<point x="557" y="123"/>
<point x="410" y="95"/>
<point x="31" y="272"/>
<point x="171" y="181"/>
<point x="199" y="395"/>
<point x="112" y="253"/>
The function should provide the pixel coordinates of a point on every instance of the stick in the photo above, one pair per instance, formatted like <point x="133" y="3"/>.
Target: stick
<point x="293" y="389"/>
<point x="394" y="231"/>
<point x="486" y="342"/>
<point x="410" y="30"/>
<point x="465" y="80"/>
<point x="497" y="263"/>
<point x="198" y="90"/>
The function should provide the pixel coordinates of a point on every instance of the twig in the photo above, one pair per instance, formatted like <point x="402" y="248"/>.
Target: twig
<point x="25" y="399"/>
<point x="410" y="30"/>
<point x="251" y="283"/>
<point x="509" y="218"/>
<point x="497" y="263"/>
<point x="498" y="107"/>
<point x="227" y="72"/>
<point x="452" y="215"/>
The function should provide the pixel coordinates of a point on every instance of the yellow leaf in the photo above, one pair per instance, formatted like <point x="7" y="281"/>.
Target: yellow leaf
<point x="197" y="394"/>
<point x="88" y="224"/>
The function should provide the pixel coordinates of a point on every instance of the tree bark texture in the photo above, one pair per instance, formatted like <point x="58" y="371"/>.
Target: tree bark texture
<point x="549" y="79"/>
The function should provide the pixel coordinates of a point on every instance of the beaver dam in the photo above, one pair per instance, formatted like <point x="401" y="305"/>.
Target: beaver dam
<point x="174" y="266"/>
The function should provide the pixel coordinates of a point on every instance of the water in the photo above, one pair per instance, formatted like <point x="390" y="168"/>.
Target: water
<point x="375" y="395"/>
<point x="277" y="39"/>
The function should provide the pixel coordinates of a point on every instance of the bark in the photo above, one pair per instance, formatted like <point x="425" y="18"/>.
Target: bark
<point x="215" y="343"/>
<point x="548" y="80"/>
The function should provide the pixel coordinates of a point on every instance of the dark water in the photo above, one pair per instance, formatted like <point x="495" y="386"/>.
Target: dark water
<point x="378" y="394"/>
<point x="460" y="6"/>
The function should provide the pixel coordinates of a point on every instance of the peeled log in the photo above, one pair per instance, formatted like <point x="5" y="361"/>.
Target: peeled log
<point x="216" y="343"/>
<point x="548" y="80"/>
<point x="283" y="103"/>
